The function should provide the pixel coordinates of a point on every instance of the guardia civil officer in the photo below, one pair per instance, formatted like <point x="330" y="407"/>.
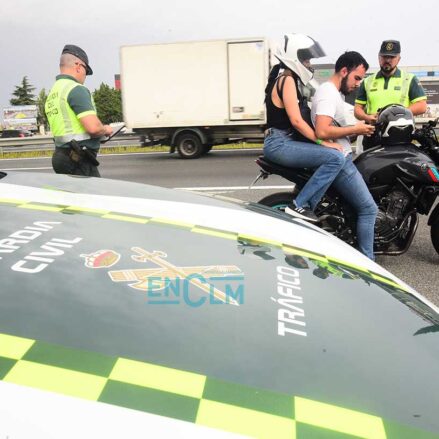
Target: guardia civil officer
<point x="389" y="85"/>
<point x="72" y="117"/>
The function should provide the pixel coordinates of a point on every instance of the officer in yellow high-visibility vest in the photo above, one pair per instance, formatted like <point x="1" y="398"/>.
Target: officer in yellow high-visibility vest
<point x="72" y="116"/>
<point x="388" y="86"/>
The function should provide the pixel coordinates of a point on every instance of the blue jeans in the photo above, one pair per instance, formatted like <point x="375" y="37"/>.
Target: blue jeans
<point x="283" y="150"/>
<point x="351" y="185"/>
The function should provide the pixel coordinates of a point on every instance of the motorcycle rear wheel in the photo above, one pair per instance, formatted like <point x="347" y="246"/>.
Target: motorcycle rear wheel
<point x="279" y="200"/>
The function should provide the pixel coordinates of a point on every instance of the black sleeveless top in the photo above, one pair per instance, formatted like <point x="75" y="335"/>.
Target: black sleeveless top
<point x="278" y="117"/>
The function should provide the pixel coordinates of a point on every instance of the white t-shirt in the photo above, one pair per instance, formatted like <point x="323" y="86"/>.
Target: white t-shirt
<point x="328" y="101"/>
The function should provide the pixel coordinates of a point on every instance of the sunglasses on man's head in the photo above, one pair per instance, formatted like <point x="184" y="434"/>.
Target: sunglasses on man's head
<point x="82" y="65"/>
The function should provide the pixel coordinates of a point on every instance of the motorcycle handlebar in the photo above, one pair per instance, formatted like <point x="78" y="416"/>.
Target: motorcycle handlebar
<point x="433" y="123"/>
<point x="426" y="137"/>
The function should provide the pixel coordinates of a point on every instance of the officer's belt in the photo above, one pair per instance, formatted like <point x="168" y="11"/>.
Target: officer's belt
<point x="61" y="140"/>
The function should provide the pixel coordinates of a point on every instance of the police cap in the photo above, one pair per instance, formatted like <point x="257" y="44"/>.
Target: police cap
<point x="79" y="53"/>
<point x="390" y="48"/>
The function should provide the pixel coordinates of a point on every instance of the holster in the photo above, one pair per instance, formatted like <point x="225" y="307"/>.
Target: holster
<point x="78" y="153"/>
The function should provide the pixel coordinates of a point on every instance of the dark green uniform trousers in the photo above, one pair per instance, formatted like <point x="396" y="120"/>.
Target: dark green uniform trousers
<point x="63" y="163"/>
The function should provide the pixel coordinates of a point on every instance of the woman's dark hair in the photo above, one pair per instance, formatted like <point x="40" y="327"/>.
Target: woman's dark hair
<point x="272" y="76"/>
<point x="351" y="60"/>
<point x="274" y="73"/>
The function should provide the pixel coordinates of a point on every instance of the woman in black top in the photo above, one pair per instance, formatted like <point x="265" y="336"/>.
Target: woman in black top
<point x="290" y="139"/>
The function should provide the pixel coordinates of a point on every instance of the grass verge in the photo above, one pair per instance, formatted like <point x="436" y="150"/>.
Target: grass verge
<point x="118" y="150"/>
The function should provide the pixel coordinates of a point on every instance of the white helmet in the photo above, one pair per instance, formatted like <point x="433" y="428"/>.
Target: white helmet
<point x="298" y="48"/>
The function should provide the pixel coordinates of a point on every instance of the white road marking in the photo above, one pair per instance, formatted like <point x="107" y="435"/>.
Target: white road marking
<point x="233" y="188"/>
<point x="25" y="169"/>
<point x="200" y="189"/>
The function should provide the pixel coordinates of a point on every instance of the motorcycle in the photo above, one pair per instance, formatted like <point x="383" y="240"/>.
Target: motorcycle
<point x="403" y="180"/>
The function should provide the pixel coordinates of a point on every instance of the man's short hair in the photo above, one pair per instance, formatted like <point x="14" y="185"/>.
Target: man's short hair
<point x="67" y="60"/>
<point x="351" y="60"/>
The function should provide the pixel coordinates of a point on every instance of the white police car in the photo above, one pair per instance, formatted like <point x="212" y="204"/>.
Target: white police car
<point x="129" y="310"/>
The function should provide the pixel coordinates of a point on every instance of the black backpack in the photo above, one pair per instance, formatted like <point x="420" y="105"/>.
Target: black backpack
<point x="305" y="111"/>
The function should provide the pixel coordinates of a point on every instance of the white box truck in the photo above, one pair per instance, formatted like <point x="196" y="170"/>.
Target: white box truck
<point x="194" y="95"/>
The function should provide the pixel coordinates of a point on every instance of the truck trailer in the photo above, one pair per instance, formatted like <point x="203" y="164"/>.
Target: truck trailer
<point x="193" y="95"/>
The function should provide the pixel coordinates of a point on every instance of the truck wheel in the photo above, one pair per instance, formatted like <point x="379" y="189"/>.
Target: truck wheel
<point x="189" y="146"/>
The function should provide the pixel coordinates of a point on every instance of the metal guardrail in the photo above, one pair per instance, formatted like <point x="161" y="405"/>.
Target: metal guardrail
<point x="26" y="141"/>
<point x="48" y="140"/>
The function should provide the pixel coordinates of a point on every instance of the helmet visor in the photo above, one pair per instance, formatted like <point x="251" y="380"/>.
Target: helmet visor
<point x="314" y="51"/>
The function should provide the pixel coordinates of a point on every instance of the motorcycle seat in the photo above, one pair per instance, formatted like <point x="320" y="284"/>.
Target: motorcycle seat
<point x="274" y="168"/>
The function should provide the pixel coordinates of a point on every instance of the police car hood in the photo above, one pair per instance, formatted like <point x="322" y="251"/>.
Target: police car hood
<point x="193" y="312"/>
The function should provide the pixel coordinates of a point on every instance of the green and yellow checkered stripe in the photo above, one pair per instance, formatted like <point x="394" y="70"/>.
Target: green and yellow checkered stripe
<point x="184" y="395"/>
<point x="223" y="234"/>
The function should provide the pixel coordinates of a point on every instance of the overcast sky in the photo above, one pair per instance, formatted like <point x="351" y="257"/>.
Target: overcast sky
<point x="33" y="32"/>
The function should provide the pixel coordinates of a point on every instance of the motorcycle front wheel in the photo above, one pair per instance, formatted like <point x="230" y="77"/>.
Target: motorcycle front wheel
<point x="434" y="234"/>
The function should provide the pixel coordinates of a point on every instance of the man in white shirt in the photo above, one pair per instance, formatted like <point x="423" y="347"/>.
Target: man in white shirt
<point x="330" y="124"/>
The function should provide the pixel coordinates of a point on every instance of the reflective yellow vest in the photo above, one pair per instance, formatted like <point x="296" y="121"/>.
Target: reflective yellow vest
<point x="396" y="93"/>
<point x="63" y="121"/>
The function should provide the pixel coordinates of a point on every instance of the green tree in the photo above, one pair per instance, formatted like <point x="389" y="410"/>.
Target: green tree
<point x="41" y="102"/>
<point x="108" y="104"/>
<point x="23" y="93"/>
